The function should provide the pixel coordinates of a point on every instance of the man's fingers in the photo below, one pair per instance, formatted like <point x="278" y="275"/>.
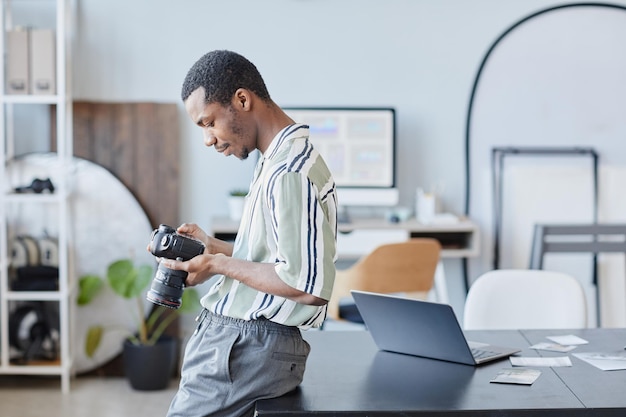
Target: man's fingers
<point x="172" y="264"/>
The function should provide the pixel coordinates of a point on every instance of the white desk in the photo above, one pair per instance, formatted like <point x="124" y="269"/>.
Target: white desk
<point x="360" y="236"/>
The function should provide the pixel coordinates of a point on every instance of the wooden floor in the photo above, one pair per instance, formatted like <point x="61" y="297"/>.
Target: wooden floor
<point x="22" y="396"/>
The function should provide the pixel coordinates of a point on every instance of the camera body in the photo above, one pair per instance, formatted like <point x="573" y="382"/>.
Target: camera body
<point x="168" y="284"/>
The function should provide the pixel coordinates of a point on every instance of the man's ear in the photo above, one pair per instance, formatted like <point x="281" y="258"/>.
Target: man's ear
<point x="242" y="99"/>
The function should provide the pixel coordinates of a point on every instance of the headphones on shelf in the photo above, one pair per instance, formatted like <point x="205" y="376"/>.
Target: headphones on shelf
<point x="32" y="334"/>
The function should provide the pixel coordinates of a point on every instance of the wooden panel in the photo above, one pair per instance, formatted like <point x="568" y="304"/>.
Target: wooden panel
<point x="139" y="144"/>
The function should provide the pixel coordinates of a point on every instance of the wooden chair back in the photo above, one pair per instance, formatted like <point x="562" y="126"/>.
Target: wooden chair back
<point x="404" y="267"/>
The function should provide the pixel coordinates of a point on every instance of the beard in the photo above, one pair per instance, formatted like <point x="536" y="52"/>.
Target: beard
<point x="236" y="127"/>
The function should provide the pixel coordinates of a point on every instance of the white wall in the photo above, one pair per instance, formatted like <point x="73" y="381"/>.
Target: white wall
<point x="557" y="80"/>
<point x="420" y="56"/>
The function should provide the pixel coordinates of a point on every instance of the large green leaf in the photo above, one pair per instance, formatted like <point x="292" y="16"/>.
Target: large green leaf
<point x="88" y="287"/>
<point x="94" y="335"/>
<point x="120" y="276"/>
<point x="126" y="280"/>
<point x="144" y="278"/>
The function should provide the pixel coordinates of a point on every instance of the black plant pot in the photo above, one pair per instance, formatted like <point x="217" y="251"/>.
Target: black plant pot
<point x="150" y="368"/>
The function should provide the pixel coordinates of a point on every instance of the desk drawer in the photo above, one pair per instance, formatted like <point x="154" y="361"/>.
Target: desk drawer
<point x="357" y="243"/>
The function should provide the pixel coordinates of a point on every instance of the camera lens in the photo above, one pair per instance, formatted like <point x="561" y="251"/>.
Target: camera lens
<point x="168" y="284"/>
<point x="167" y="287"/>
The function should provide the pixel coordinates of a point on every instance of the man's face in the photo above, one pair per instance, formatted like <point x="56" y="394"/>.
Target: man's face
<point x="222" y="126"/>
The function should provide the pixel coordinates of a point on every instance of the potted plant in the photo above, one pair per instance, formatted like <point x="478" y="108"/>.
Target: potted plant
<point x="236" y="199"/>
<point x="149" y="355"/>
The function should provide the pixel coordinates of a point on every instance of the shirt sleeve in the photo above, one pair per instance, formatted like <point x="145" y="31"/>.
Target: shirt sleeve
<point x="306" y="244"/>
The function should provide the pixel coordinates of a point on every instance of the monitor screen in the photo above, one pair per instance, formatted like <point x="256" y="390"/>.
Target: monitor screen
<point x="358" y="145"/>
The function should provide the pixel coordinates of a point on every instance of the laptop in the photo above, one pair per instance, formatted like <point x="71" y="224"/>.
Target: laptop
<point x="422" y="328"/>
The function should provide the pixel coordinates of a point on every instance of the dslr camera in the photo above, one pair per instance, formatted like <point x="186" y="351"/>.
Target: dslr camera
<point x="168" y="284"/>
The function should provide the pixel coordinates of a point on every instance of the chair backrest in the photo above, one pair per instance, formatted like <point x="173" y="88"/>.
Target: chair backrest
<point x="403" y="267"/>
<point x="525" y="299"/>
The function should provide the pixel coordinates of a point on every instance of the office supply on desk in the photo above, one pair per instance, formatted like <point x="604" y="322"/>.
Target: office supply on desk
<point x="568" y="339"/>
<point x="425" y="206"/>
<point x="606" y="361"/>
<point x="552" y="347"/>
<point x="422" y="328"/>
<point x="551" y="361"/>
<point x="516" y="376"/>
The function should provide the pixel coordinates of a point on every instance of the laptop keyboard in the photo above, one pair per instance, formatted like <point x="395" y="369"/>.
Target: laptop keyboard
<point x="482" y="353"/>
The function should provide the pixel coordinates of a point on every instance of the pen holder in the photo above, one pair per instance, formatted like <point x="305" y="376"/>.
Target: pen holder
<point x="425" y="207"/>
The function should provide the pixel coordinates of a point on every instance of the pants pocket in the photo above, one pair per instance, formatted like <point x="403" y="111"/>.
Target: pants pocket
<point x="290" y="367"/>
<point x="289" y="357"/>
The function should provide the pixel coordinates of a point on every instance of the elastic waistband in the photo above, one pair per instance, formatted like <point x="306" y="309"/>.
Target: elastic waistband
<point x="261" y="323"/>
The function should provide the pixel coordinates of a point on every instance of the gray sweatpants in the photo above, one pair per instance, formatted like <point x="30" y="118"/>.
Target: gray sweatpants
<point x="231" y="363"/>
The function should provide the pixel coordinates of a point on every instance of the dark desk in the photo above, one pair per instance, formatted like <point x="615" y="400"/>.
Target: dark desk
<point x="347" y="375"/>
<point x="594" y="388"/>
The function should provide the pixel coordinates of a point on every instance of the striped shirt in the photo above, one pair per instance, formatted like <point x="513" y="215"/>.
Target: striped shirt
<point x="290" y="220"/>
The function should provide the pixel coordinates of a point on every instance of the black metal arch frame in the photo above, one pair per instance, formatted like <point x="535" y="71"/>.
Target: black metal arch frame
<point x="483" y="63"/>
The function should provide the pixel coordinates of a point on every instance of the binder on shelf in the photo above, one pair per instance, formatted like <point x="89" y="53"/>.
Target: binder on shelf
<point x="42" y="62"/>
<point x="17" y="80"/>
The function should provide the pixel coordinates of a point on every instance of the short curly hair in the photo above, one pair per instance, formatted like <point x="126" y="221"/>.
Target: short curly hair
<point x="221" y="73"/>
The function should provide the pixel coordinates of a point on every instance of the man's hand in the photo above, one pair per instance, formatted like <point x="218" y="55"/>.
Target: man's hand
<point x="213" y="245"/>
<point x="257" y="275"/>
<point x="199" y="268"/>
<point x="217" y="259"/>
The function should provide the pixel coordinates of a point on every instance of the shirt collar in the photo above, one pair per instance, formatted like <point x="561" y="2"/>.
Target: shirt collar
<point x="293" y="131"/>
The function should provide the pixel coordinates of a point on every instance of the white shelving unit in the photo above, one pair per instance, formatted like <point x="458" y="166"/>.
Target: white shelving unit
<point x="57" y="202"/>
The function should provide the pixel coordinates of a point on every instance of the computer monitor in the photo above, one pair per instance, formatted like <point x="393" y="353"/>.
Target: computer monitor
<point x="358" y="145"/>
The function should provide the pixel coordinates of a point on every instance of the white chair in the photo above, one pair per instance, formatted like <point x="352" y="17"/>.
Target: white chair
<point x="525" y="299"/>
